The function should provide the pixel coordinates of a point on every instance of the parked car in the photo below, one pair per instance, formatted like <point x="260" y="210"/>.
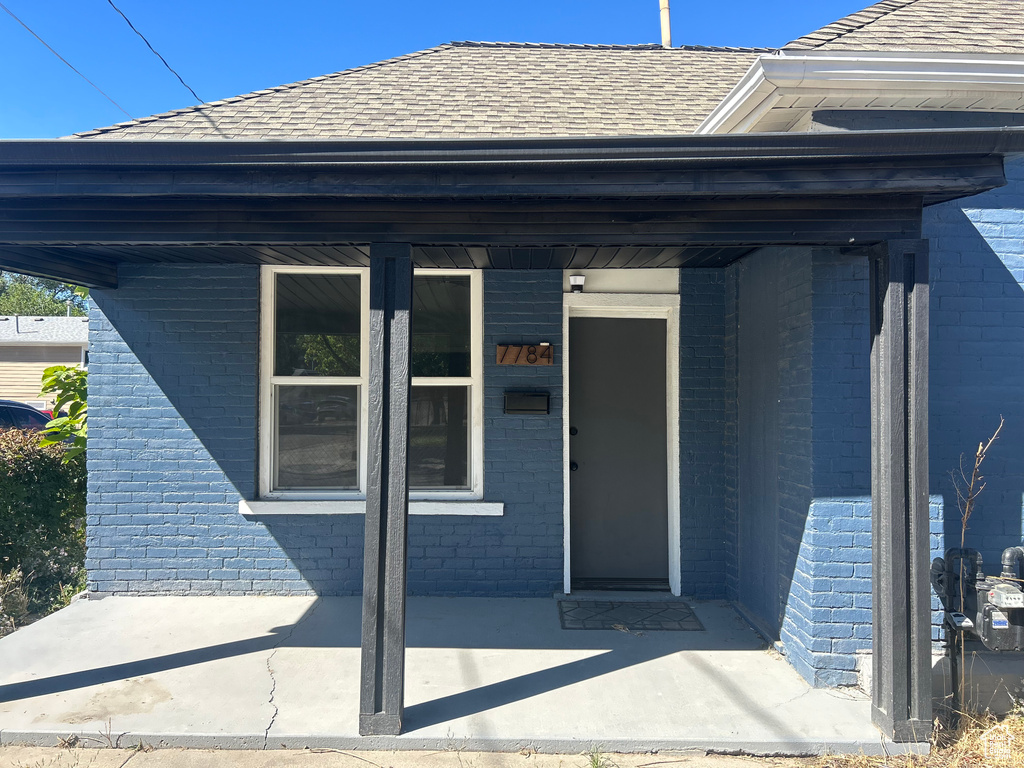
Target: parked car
<point x="15" y="415"/>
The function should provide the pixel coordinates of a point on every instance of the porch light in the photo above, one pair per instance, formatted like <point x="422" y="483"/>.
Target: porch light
<point x="576" y="282"/>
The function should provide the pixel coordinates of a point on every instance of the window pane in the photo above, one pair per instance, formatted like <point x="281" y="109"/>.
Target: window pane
<point x="317" y="325"/>
<point x="317" y="437"/>
<point x="440" y="326"/>
<point x="439" y="437"/>
<point x="26" y="419"/>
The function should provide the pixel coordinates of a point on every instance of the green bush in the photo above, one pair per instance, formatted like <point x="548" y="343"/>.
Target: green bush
<point x="42" y="525"/>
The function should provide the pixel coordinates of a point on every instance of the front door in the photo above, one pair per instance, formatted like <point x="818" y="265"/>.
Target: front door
<point x="618" y="443"/>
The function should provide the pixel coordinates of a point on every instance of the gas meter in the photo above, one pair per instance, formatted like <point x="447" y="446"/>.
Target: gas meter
<point x="989" y="607"/>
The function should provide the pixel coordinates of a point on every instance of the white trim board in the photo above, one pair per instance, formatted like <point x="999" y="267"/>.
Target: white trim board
<point x="629" y="305"/>
<point x="808" y="80"/>
<point x="258" y="509"/>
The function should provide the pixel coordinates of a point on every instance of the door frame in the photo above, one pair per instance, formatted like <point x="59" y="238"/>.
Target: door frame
<point x="627" y="306"/>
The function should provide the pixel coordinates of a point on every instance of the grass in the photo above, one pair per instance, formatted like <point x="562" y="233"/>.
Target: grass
<point x="597" y="759"/>
<point x="981" y="741"/>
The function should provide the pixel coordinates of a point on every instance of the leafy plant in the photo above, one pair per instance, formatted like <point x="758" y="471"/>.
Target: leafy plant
<point x="42" y="523"/>
<point x="69" y="426"/>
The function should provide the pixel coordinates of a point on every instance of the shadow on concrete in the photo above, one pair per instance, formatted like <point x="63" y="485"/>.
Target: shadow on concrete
<point x="458" y="623"/>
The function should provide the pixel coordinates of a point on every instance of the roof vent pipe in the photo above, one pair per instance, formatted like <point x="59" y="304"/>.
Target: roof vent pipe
<point x="666" y="26"/>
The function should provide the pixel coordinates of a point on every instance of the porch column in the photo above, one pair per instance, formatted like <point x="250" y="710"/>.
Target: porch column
<point x="382" y="676"/>
<point x="901" y="640"/>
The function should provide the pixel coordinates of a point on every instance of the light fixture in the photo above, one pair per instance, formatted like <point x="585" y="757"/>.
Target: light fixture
<point x="576" y="282"/>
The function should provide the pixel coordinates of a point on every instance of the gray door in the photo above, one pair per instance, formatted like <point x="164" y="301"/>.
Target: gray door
<point x="618" y="453"/>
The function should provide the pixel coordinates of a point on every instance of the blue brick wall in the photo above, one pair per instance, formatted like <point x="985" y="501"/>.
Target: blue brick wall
<point x="977" y="357"/>
<point x="829" y="607"/>
<point x="172" y="449"/>
<point x="774" y="393"/>
<point x="795" y="463"/>
<point x="522" y="454"/>
<point x="821" y="539"/>
<point x="730" y="390"/>
<point x="706" y="423"/>
<point x="172" y="439"/>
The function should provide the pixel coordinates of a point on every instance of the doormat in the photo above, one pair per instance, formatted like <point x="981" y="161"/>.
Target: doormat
<point x="640" y="615"/>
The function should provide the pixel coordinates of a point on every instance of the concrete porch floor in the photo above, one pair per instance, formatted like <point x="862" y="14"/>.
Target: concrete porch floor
<point x="481" y="674"/>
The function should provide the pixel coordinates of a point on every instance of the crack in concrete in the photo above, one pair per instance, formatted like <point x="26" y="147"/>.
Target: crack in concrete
<point x="790" y="700"/>
<point x="270" y="669"/>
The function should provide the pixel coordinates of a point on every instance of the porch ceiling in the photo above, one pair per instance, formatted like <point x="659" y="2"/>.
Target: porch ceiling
<point x="74" y="210"/>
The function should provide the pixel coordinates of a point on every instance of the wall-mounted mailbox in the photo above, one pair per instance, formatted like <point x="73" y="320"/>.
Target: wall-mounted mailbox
<point x="527" y="403"/>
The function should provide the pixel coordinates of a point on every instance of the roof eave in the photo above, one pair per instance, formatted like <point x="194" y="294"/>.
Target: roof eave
<point x="989" y="81"/>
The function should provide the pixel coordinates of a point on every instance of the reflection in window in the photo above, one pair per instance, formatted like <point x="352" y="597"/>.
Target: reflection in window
<point x="317" y="325"/>
<point x="440" y="326"/>
<point x="317" y="437"/>
<point x="439" y="438"/>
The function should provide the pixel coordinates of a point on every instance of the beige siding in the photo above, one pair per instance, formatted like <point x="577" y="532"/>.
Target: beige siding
<point x="38" y="354"/>
<point x="21" y="370"/>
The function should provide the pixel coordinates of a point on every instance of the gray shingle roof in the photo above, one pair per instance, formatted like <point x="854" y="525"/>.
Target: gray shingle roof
<point x="475" y="90"/>
<point x="956" y="26"/>
<point x="72" y="331"/>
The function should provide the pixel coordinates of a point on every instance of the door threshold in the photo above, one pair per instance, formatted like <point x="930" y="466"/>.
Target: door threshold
<point x="620" y="585"/>
<point x="624" y="596"/>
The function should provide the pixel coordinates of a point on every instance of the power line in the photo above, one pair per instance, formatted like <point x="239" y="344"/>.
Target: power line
<point x="169" y="67"/>
<point x="37" y="37"/>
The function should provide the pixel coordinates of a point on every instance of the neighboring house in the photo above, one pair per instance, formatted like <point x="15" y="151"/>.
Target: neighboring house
<point x="742" y="403"/>
<point x="29" y="345"/>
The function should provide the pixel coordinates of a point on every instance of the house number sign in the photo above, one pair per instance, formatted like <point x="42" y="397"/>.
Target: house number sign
<point x="526" y="354"/>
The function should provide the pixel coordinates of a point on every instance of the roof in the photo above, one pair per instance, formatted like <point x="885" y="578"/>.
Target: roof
<point x="72" y="331"/>
<point x="954" y="26"/>
<point x="475" y="90"/>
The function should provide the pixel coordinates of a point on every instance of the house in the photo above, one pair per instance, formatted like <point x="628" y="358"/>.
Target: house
<point x="801" y="301"/>
<point x="29" y="345"/>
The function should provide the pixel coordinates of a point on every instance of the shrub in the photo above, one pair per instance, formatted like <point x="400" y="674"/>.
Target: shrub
<point x="42" y="524"/>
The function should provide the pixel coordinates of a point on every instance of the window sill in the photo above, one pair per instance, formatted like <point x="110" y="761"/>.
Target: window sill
<point x="259" y="509"/>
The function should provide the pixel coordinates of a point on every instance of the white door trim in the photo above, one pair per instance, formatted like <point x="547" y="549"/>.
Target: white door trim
<point x="630" y="305"/>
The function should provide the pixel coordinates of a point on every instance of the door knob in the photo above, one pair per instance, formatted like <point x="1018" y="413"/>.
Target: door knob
<point x="573" y="430"/>
<point x="573" y="466"/>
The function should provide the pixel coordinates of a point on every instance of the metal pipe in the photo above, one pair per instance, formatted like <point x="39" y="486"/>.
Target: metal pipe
<point x="1009" y="561"/>
<point x="666" y="26"/>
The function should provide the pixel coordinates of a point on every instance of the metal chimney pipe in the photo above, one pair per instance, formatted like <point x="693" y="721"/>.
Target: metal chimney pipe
<point x="666" y="26"/>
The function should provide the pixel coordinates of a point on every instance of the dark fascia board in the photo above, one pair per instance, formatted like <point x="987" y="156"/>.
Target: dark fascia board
<point x="573" y="151"/>
<point x="947" y="163"/>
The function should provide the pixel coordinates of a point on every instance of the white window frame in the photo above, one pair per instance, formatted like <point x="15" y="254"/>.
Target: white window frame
<point x="267" y="383"/>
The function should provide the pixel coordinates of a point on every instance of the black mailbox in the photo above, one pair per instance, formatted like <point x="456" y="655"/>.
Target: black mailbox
<point x="527" y="403"/>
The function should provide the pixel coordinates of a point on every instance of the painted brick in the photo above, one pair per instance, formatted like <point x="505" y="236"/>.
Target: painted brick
<point x="705" y="414"/>
<point x="977" y="359"/>
<point x="173" y="397"/>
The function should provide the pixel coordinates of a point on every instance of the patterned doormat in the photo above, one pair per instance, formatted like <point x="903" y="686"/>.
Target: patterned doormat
<point x="640" y="615"/>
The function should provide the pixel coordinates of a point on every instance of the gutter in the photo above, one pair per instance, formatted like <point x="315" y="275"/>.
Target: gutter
<point x="570" y="153"/>
<point x="991" y="82"/>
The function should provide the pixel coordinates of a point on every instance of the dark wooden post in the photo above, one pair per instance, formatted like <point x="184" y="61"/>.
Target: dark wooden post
<point x="382" y="677"/>
<point x="901" y="641"/>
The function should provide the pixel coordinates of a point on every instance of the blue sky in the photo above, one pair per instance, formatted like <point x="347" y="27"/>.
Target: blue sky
<point x="223" y="48"/>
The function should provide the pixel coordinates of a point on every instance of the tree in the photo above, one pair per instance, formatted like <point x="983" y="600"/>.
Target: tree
<point x="24" y="295"/>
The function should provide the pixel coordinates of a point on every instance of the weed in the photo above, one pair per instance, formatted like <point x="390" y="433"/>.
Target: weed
<point x="980" y="741"/>
<point x="597" y="759"/>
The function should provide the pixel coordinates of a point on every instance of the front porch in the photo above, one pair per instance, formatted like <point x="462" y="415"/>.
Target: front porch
<point x="483" y="674"/>
<point x="125" y="218"/>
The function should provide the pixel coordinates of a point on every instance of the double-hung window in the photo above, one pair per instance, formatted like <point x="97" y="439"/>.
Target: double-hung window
<point x="314" y="394"/>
